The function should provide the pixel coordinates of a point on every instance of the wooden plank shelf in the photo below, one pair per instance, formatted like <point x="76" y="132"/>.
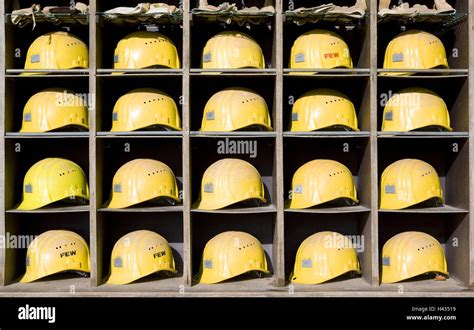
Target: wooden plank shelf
<point x="279" y="153"/>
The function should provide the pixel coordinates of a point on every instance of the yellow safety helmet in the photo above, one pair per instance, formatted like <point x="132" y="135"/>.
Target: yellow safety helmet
<point x="323" y="109"/>
<point x="57" y="51"/>
<point x="415" y="108"/>
<point x="229" y="181"/>
<point x="411" y="254"/>
<point x="415" y="49"/>
<point x="142" y="180"/>
<point x="145" y="108"/>
<point x="232" y="50"/>
<point x="146" y="49"/>
<point x="52" y="109"/>
<point x="235" y="108"/>
<point x="408" y="182"/>
<point x="56" y="251"/>
<point x="230" y="254"/>
<point x="139" y="254"/>
<point x="51" y="180"/>
<point x="320" y="181"/>
<point x="324" y="256"/>
<point x="320" y="49"/>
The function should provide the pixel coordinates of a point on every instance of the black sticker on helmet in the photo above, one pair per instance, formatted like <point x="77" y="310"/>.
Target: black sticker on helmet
<point x="116" y="58"/>
<point x="386" y="261"/>
<point x="114" y="116"/>
<point x="208" y="264"/>
<point x="294" y="116"/>
<point x="298" y="189"/>
<point x="389" y="115"/>
<point x="29" y="188"/>
<point x="27" y="117"/>
<point x="390" y="189"/>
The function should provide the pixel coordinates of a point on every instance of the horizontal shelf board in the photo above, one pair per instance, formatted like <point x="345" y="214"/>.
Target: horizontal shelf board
<point x="356" y="284"/>
<point x="443" y="20"/>
<point x="81" y="284"/>
<point x="141" y="134"/>
<point x="232" y="134"/>
<point x="243" y="283"/>
<point x="321" y="72"/>
<point x="67" y="72"/>
<point x="214" y="15"/>
<point x="128" y="72"/>
<point x="441" y="209"/>
<point x="233" y="72"/>
<point x="425" y="285"/>
<point x="64" y="18"/>
<point x="337" y="18"/>
<point x="328" y="210"/>
<point x="158" y="18"/>
<point x="240" y="210"/>
<point x="149" y="209"/>
<point x="425" y="73"/>
<point x="323" y="134"/>
<point x="147" y="284"/>
<point x="62" y="209"/>
<point x="47" y="135"/>
<point x="422" y="134"/>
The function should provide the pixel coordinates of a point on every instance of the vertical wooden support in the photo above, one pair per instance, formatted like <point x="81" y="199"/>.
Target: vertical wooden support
<point x="373" y="143"/>
<point x="2" y="141"/>
<point x="187" y="270"/>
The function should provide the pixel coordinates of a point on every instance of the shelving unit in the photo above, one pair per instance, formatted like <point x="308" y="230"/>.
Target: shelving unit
<point x="279" y="152"/>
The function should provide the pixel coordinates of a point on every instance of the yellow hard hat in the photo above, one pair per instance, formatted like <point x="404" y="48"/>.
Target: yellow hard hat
<point x="324" y="256"/>
<point x="415" y="49"/>
<point x="142" y="180"/>
<point x="323" y="109"/>
<point x="235" y="108"/>
<point x="415" y="108"/>
<point x="51" y="180"/>
<point x="232" y="50"/>
<point x="411" y="254"/>
<point x="230" y="254"/>
<point x="320" y="181"/>
<point x="146" y="49"/>
<point x="56" y="251"/>
<point x="320" y="49"/>
<point x="229" y="181"/>
<point x="52" y="109"/>
<point x="408" y="182"/>
<point x="145" y="108"/>
<point x="139" y="254"/>
<point x="57" y="51"/>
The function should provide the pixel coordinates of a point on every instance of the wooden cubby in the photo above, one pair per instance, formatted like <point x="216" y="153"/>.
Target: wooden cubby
<point x="110" y="88"/>
<point x="299" y="226"/>
<point x="205" y="151"/>
<point x="451" y="230"/>
<point x="28" y="225"/>
<point x="454" y="90"/>
<point x="190" y="152"/>
<point x="449" y="157"/>
<point x="111" y="226"/>
<point x="355" y="87"/>
<point x="203" y="87"/>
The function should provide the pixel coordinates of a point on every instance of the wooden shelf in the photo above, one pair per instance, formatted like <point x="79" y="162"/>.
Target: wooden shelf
<point x="280" y="152"/>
